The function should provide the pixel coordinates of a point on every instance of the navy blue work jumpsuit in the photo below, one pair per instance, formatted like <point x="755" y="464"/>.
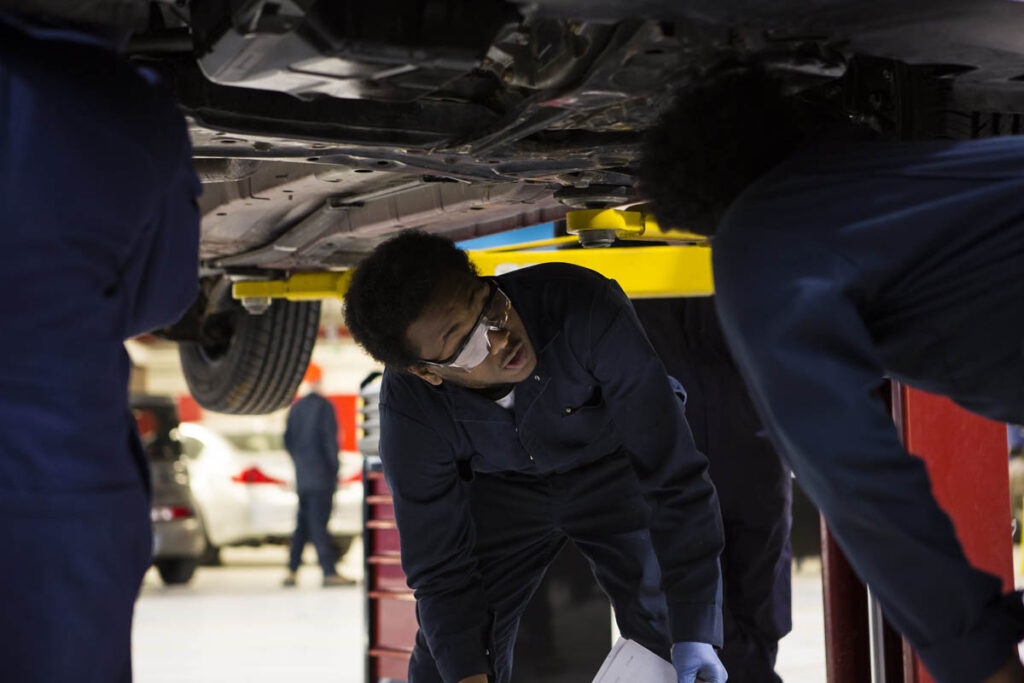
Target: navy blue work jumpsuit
<point x="311" y="437"/>
<point x="853" y="260"/>
<point x="596" y="450"/>
<point x="100" y="231"/>
<point x="754" y="486"/>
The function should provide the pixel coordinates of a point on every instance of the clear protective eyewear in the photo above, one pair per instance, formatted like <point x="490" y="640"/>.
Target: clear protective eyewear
<point x="475" y="348"/>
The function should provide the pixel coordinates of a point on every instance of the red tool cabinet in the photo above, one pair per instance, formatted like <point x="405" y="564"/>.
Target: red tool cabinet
<point x="390" y="606"/>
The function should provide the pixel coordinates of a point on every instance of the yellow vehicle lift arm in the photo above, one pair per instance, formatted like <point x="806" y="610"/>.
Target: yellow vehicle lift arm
<point x="643" y="273"/>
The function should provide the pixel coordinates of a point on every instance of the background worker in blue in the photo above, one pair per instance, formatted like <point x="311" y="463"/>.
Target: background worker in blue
<point x="100" y="231"/>
<point x="311" y="437"/>
<point x="754" y="486"/>
<point x="516" y="413"/>
<point x="838" y="260"/>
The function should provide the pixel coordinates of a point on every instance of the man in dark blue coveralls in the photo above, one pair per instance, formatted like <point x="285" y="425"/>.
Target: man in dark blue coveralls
<point x="754" y="486"/>
<point x="311" y="437"/>
<point x="100" y="230"/>
<point x="518" y="412"/>
<point x="840" y="259"/>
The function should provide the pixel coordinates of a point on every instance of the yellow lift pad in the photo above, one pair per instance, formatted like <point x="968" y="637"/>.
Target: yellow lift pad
<point x="627" y="225"/>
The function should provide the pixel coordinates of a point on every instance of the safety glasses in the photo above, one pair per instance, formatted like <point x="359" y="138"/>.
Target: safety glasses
<point x="475" y="348"/>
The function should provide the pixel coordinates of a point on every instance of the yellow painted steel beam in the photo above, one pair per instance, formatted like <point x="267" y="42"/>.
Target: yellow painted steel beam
<point x="643" y="273"/>
<point x="299" y="287"/>
<point x="539" y="244"/>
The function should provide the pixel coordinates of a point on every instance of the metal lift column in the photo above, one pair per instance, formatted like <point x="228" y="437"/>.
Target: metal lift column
<point x="966" y="457"/>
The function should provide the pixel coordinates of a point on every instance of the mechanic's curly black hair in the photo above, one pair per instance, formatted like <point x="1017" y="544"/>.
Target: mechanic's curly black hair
<point x="716" y="138"/>
<point x="391" y="287"/>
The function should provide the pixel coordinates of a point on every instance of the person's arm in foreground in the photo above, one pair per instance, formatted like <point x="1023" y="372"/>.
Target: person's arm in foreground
<point x="793" y="324"/>
<point x="686" y="525"/>
<point x="437" y="538"/>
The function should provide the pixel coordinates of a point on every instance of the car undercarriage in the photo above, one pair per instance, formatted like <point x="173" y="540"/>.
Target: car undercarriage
<point x="321" y="128"/>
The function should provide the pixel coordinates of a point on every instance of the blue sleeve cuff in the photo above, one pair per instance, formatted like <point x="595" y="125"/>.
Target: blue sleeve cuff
<point x="461" y="655"/>
<point x="696" y="623"/>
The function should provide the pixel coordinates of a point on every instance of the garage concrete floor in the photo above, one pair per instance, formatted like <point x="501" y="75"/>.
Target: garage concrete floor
<point x="236" y="624"/>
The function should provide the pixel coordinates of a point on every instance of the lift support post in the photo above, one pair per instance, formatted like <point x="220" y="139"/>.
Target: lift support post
<point x="966" y="458"/>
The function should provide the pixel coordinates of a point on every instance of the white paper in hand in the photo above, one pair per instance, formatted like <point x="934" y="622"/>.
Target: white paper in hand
<point x="630" y="662"/>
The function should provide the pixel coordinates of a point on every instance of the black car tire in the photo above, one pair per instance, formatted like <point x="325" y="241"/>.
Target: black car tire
<point x="259" y="363"/>
<point x="177" y="571"/>
<point x="342" y="545"/>
<point x="211" y="556"/>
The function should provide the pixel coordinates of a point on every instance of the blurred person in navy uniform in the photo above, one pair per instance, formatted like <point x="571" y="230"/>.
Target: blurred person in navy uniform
<point x="754" y="486"/>
<point x="99" y="221"/>
<point x="840" y="259"/>
<point x="311" y="437"/>
<point x="518" y="413"/>
<point x="1015" y="439"/>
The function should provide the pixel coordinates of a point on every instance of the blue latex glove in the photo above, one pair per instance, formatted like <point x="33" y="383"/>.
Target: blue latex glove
<point x="697" y="662"/>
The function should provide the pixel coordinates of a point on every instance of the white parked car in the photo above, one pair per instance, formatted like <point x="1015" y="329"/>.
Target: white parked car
<point x="244" y="486"/>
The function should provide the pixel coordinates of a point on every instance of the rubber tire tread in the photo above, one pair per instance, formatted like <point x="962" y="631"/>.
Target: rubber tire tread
<point x="264" y="365"/>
